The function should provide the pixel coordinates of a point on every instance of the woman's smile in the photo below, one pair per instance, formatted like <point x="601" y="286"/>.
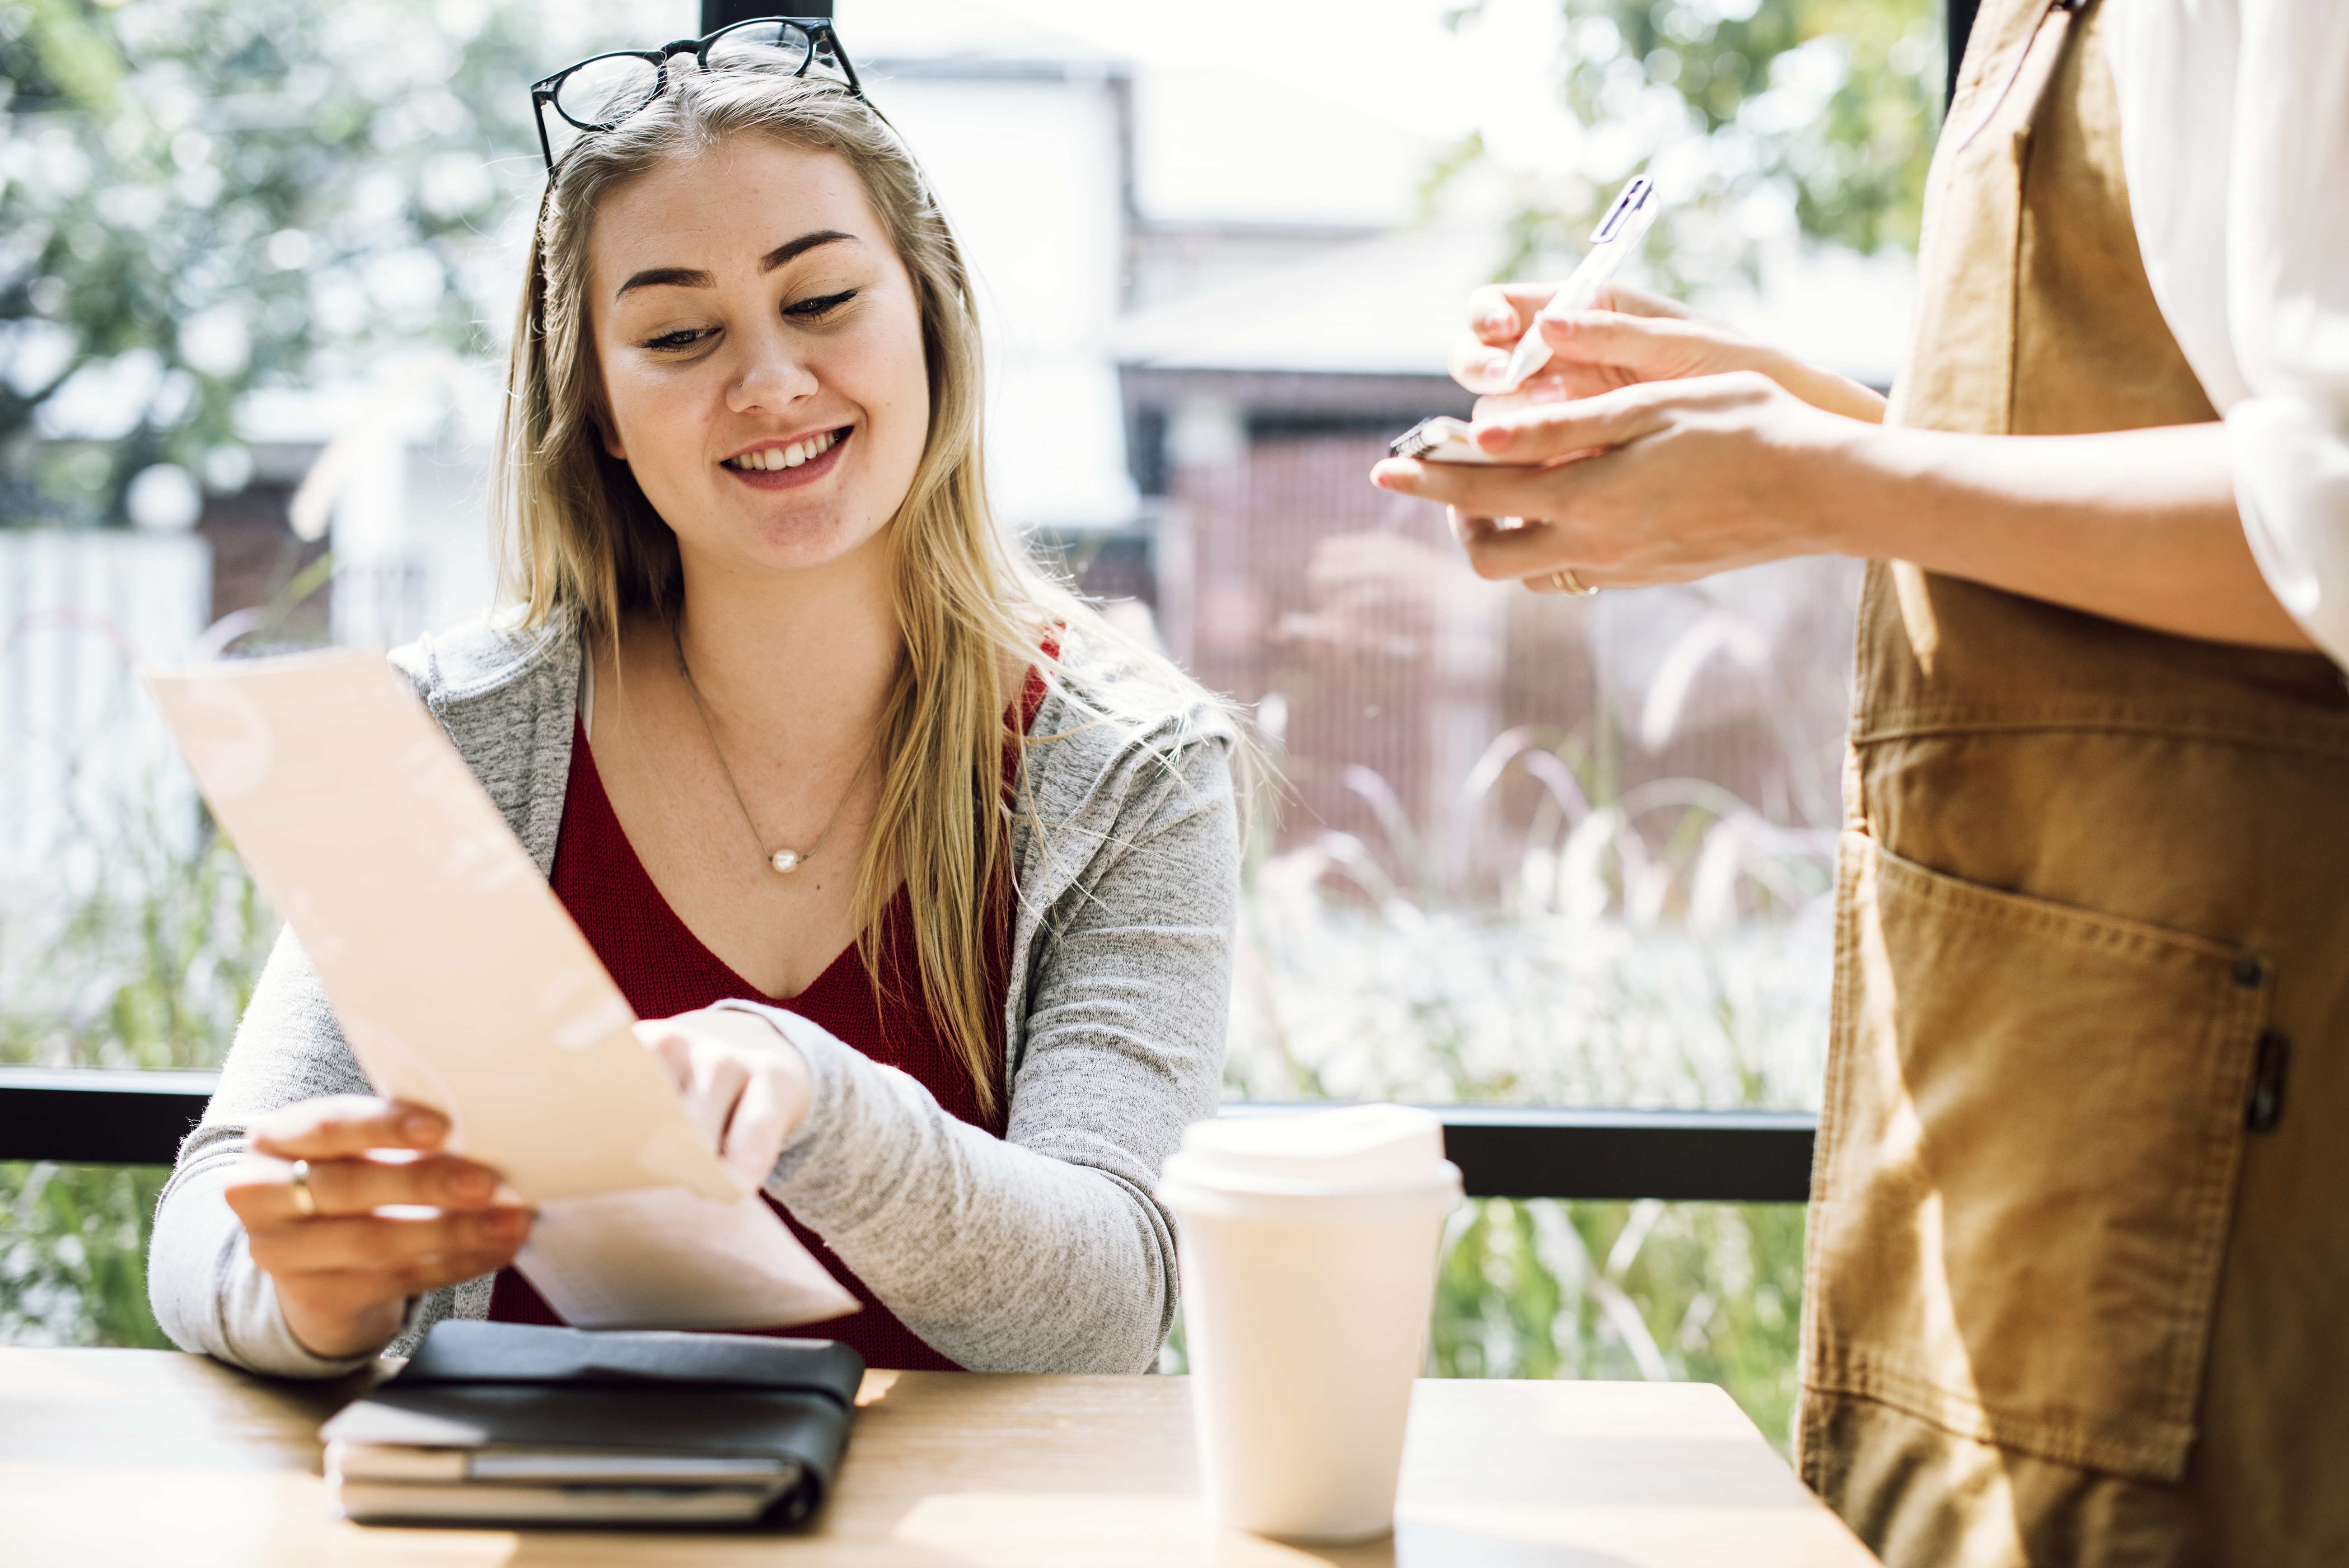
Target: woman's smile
<point x="782" y="465"/>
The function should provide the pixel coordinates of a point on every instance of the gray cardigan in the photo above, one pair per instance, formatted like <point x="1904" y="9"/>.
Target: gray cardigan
<point x="1045" y="1252"/>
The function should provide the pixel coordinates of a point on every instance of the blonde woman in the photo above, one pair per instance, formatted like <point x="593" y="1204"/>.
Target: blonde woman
<point x="932" y="877"/>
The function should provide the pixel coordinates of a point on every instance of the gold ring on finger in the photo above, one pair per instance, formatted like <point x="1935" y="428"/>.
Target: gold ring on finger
<point x="305" y="1202"/>
<point x="1565" y="581"/>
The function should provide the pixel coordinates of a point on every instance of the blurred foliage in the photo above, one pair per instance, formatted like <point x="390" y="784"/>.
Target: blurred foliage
<point x="147" y="961"/>
<point x="134" y="942"/>
<point x="1708" y="1293"/>
<point x="73" y="1255"/>
<point x="201" y="197"/>
<point x="1745" y="112"/>
<point x="147" y="964"/>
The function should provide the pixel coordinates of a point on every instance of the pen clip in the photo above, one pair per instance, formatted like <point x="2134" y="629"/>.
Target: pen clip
<point x="1634" y="196"/>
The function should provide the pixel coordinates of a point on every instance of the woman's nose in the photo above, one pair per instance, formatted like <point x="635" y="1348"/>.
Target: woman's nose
<point x="773" y="377"/>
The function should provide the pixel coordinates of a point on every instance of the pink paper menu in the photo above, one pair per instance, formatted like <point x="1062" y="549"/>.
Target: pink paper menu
<point x="462" y="984"/>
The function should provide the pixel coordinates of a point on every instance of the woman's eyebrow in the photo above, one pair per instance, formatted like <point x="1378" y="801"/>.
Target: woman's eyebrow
<point x="694" y="278"/>
<point x="793" y="248"/>
<point x="667" y="278"/>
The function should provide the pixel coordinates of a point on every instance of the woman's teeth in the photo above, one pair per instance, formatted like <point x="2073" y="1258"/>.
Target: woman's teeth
<point x="790" y="456"/>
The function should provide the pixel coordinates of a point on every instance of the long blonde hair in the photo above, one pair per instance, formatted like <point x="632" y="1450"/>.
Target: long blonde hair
<point x="583" y="539"/>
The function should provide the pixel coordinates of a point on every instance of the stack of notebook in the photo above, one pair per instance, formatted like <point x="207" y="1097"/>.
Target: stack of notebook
<point x="506" y="1422"/>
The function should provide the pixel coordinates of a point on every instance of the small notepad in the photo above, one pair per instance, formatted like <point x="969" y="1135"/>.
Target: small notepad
<point x="507" y="1422"/>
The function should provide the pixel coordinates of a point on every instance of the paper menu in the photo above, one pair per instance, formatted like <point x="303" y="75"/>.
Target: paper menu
<point x="462" y="983"/>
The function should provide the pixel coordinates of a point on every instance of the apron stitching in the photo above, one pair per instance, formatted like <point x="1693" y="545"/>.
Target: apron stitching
<point x="2022" y="63"/>
<point x="2304" y="738"/>
<point x="2137" y="939"/>
<point x="1810" y="1369"/>
<point x="2224" y="1139"/>
<point x="2058" y="18"/>
<point x="2069" y="1440"/>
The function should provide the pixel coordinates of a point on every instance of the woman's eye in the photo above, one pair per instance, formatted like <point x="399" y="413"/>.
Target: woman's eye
<point x="817" y="309"/>
<point x="670" y="342"/>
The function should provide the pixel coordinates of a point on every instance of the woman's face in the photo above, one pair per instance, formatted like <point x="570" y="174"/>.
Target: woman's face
<point x="761" y="352"/>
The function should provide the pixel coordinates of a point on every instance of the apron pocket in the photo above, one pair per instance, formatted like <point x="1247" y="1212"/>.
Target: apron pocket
<point x="2032" y="1123"/>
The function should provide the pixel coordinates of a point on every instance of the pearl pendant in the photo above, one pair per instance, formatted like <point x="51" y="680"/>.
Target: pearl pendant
<point x="785" y="860"/>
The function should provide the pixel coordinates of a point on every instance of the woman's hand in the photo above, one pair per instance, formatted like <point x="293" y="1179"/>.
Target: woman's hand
<point x="344" y="1270"/>
<point x="1658" y="482"/>
<point x="1662" y="447"/>
<point x="745" y="1085"/>
<point x="1632" y="337"/>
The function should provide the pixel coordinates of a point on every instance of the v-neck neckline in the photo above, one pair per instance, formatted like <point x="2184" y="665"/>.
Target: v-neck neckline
<point x="634" y="867"/>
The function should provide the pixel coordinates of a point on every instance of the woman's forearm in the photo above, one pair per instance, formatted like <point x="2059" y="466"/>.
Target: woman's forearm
<point x="1001" y="1257"/>
<point x="2134" y="525"/>
<point x="1820" y="388"/>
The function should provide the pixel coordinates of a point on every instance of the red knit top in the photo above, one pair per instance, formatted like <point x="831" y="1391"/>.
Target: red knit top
<point x="664" y="969"/>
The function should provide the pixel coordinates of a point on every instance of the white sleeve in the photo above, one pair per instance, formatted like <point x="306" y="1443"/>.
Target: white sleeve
<point x="206" y="1291"/>
<point x="2288" y="305"/>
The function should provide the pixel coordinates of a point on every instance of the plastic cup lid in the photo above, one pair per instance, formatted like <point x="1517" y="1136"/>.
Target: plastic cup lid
<point x="1357" y="1148"/>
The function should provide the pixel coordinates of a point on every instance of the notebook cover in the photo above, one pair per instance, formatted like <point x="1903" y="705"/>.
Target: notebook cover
<point x="517" y="1385"/>
<point x="462" y="1351"/>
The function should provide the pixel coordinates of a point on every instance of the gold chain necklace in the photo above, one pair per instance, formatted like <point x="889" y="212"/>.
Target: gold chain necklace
<point x="782" y="859"/>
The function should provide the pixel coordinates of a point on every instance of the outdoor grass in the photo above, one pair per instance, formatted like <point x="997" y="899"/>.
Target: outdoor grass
<point x="1707" y="1293"/>
<point x="73" y="1255"/>
<point x="139" y="950"/>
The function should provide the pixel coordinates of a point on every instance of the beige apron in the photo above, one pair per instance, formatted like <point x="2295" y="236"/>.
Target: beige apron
<point x="2078" y="1282"/>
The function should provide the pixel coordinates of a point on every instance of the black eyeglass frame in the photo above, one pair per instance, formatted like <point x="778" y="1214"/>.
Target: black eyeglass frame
<point x="824" y="45"/>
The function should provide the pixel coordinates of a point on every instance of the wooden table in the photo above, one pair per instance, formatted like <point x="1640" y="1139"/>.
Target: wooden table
<point x="158" y="1460"/>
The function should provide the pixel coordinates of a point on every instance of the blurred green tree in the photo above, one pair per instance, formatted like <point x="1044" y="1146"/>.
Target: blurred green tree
<point x="73" y="1255"/>
<point x="1748" y="113"/>
<point x="201" y="197"/>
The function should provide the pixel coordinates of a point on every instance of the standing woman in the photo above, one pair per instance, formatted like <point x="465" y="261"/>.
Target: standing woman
<point x="2078" y="1259"/>
<point x="931" y="876"/>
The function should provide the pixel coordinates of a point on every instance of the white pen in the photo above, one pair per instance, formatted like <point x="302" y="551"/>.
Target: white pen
<point x="1611" y="245"/>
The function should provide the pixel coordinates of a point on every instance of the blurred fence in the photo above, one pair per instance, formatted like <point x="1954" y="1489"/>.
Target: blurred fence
<point x="80" y="746"/>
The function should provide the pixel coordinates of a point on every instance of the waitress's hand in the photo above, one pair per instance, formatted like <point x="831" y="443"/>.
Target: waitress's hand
<point x="745" y="1085"/>
<point x="1630" y="337"/>
<point x="1662" y="481"/>
<point x="343" y="1270"/>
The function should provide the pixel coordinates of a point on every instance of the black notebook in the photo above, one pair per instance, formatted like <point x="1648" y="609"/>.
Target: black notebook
<point x="504" y="1421"/>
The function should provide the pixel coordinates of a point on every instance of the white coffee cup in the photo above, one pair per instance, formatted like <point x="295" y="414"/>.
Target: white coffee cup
<point x="1309" y="1253"/>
